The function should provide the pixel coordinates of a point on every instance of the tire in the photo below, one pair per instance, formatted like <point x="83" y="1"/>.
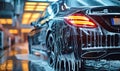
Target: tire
<point x="51" y="45"/>
<point x="54" y="53"/>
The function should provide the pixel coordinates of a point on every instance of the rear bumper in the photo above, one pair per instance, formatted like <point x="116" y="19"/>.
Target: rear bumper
<point x="110" y="53"/>
<point x="96" y="44"/>
<point x="101" y="48"/>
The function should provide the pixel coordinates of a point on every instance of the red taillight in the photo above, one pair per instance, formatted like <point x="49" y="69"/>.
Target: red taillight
<point x="80" y="20"/>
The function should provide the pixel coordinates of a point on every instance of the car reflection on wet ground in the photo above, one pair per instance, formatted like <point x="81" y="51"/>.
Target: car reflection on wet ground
<point x="17" y="58"/>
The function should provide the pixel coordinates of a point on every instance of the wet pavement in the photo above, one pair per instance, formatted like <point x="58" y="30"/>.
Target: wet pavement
<point x="16" y="58"/>
<point x="102" y="65"/>
<point x="9" y="62"/>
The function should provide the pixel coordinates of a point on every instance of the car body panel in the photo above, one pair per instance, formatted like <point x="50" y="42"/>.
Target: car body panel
<point x="83" y="41"/>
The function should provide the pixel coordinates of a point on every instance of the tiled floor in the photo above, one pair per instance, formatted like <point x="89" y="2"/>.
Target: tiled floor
<point x="9" y="62"/>
<point x="16" y="58"/>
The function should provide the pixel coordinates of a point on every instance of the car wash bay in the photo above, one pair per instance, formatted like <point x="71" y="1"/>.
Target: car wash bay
<point x="20" y="52"/>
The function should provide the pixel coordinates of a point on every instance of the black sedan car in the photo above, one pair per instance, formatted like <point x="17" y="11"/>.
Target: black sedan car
<point x="79" y="29"/>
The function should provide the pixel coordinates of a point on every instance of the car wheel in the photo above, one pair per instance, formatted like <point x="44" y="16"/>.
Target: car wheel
<point x="51" y="45"/>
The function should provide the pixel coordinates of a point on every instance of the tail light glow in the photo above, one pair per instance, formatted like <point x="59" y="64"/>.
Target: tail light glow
<point x="80" y="20"/>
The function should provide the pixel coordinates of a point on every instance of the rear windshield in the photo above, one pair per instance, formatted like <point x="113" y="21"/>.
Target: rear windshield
<point x="89" y="3"/>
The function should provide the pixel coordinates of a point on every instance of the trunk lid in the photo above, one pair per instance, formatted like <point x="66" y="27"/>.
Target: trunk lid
<point x="108" y="17"/>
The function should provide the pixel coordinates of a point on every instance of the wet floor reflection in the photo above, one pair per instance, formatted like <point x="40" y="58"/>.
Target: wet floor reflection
<point x="9" y="62"/>
<point x="17" y="58"/>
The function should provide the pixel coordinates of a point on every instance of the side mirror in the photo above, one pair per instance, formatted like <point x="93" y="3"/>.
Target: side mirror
<point x="35" y="24"/>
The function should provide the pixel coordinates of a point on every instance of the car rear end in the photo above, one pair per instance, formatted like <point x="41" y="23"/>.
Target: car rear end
<point x="105" y="41"/>
<point x="99" y="32"/>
